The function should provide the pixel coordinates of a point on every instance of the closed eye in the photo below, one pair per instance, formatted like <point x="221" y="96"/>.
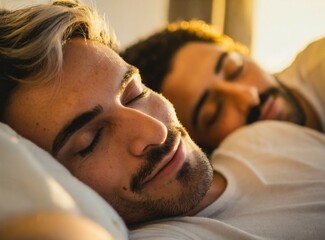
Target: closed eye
<point x="133" y="90"/>
<point x="90" y="148"/>
<point x="233" y="66"/>
<point x="144" y="93"/>
<point x="214" y="117"/>
<point x="236" y="73"/>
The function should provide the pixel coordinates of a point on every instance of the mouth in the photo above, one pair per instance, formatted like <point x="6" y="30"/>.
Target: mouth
<point x="268" y="109"/>
<point x="170" y="164"/>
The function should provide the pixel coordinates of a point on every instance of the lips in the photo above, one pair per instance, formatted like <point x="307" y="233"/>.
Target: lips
<point x="168" y="164"/>
<point x="268" y="109"/>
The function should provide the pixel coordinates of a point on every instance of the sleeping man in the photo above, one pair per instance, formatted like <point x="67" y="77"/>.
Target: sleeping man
<point x="216" y="88"/>
<point x="65" y="88"/>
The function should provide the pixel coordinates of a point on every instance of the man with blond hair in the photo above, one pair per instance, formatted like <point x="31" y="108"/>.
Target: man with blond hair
<point x="64" y="88"/>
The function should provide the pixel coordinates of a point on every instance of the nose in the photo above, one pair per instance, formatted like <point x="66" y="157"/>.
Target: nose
<point x="243" y="96"/>
<point x="141" y="131"/>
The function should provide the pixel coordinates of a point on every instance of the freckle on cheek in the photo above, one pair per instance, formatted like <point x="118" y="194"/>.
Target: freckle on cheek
<point x="124" y="188"/>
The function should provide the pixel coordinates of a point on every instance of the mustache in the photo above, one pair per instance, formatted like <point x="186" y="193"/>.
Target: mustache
<point x="255" y="111"/>
<point x="154" y="156"/>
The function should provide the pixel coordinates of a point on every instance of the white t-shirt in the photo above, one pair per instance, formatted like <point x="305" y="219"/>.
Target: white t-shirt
<point x="275" y="174"/>
<point x="307" y="75"/>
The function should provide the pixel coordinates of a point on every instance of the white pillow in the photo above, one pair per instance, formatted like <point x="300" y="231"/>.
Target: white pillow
<point x="31" y="180"/>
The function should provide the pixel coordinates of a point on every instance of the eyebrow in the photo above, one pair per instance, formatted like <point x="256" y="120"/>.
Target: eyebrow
<point x="132" y="70"/>
<point x="81" y="120"/>
<point x="220" y="62"/>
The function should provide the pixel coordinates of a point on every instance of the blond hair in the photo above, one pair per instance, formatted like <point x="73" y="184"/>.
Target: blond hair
<point x="32" y="40"/>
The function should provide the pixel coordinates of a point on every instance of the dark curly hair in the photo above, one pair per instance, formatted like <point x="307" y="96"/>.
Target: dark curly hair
<point x="153" y="55"/>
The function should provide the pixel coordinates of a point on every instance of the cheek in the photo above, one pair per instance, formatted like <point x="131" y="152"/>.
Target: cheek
<point x="109" y="171"/>
<point x="255" y="76"/>
<point x="99" y="169"/>
<point x="162" y="109"/>
<point x="102" y="177"/>
<point x="230" y="120"/>
<point x="213" y="136"/>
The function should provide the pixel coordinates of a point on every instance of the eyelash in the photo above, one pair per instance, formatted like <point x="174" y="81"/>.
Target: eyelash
<point x="85" y="152"/>
<point x="236" y="73"/>
<point x="144" y="93"/>
<point x="214" y="116"/>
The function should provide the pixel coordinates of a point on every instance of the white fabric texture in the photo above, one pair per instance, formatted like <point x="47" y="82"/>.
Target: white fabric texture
<point x="275" y="174"/>
<point x="32" y="181"/>
<point x="307" y="75"/>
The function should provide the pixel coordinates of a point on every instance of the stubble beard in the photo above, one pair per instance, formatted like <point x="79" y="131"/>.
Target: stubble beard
<point x="193" y="180"/>
<point x="297" y="114"/>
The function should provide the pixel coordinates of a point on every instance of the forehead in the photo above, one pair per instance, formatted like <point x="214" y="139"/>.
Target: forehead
<point x="191" y="73"/>
<point x="85" y="61"/>
<point x="91" y="75"/>
<point x="194" y="53"/>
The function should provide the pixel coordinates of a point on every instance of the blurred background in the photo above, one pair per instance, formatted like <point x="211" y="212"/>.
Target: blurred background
<point x="274" y="30"/>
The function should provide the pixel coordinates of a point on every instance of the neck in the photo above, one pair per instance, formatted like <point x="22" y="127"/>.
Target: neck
<point x="216" y="189"/>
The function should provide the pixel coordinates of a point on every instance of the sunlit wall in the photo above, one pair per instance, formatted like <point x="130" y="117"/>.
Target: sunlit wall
<point x="282" y="27"/>
<point x="133" y="19"/>
<point x="130" y="19"/>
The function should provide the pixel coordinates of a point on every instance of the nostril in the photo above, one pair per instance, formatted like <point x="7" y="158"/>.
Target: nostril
<point x="151" y="136"/>
<point x="148" y="147"/>
<point x="263" y="97"/>
<point x="253" y="114"/>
